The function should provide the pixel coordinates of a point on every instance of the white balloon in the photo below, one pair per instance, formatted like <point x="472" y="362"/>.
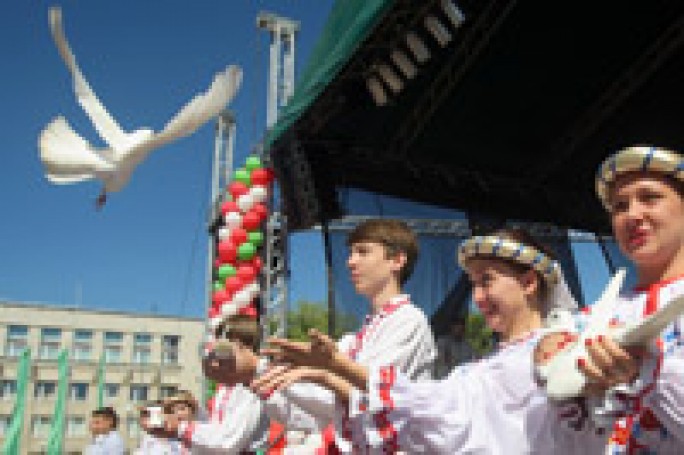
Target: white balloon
<point x="232" y="220"/>
<point x="228" y="309"/>
<point x="253" y="289"/>
<point x="258" y="193"/>
<point x="245" y="202"/>
<point x="223" y="233"/>
<point x="241" y="298"/>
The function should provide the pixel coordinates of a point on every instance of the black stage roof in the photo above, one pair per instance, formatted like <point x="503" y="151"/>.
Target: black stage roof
<point x="509" y="120"/>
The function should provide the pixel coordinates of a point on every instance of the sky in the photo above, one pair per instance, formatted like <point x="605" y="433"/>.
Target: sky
<point x="146" y="251"/>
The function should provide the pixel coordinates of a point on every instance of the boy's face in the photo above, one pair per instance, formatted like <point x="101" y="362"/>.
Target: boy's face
<point x="371" y="269"/>
<point x="100" y="425"/>
<point x="183" y="411"/>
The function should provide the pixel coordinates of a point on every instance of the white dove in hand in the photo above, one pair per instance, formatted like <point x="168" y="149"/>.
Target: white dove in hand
<point x="68" y="158"/>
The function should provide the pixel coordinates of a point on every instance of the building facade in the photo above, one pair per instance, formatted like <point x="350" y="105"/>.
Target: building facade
<point x="145" y="357"/>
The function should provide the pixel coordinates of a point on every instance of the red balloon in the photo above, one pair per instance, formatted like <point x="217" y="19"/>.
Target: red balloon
<point x="248" y="310"/>
<point x="217" y="263"/>
<point x="238" y="236"/>
<point x="220" y="296"/>
<point x="233" y="284"/>
<point x="227" y="251"/>
<point x="251" y="220"/>
<point x="229" y="206"/>
<point x="261" y="210"/>
<point x="270" y="175"/>
<point x="214" y="311"/>
<point x="237" y="189"/>
<point x="259" y="176"/>
<point x="246" y="273"/>
<point x="257" y="263"/>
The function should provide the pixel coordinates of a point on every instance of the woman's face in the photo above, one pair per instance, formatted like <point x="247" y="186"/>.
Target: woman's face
<point x="647" y="215"/>
<point x="503" y="295"/>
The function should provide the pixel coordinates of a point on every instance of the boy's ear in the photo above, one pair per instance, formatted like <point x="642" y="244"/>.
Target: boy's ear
<point x="399" y="260"/>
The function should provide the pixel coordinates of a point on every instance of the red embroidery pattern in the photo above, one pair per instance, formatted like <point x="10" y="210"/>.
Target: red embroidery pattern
<point x="372" y="322"/>
<point x="369" y="326"/>
<point x="622" y="436"/>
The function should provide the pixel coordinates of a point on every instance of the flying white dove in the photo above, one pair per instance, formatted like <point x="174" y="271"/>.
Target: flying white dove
<point x="68" y="158"/>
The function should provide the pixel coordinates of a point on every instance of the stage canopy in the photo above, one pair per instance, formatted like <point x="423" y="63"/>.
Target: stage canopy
<point x="508" y="113"/>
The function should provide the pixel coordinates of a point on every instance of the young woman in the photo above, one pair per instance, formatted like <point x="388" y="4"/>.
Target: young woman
<point x="640" y="401"/>
<point x="491" y="406"/>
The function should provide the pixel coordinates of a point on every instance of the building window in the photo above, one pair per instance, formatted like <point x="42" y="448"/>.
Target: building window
<point x="4" y="424"/>
<point x="142" y="347"/>
<point x="45" y="389"/>
<point x="170" y="344"/>
<point x="17" y="340"/>
<point x="8" y="389"/>
<point x="113" y="345"/>
<point x="111" y="390"/>
<point x="83" y="345"/>
<point x="75" y="426"/>
<point x="138" y="393"/>
<point x="40" y="426"/>
<point x="78" y="391"/>
<point x="167" y="391"/>
<point x="133" y="427"/>
<point x="50" y="339"/>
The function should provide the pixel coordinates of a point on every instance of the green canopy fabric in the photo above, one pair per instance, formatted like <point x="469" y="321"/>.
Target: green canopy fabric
<point x="349" y="24"/>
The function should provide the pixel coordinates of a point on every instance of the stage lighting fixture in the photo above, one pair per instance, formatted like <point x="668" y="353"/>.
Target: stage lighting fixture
<point x="438" y="30"/>
<point x="453" y="12"/>
<point x="404" y="64"/>
<point x="377" y="91"/>
<point x="391" y="78"/>
<point x="417" y="47"/>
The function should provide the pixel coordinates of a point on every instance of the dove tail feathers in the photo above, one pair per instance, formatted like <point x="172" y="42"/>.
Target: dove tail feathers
<point x="66" y="156"/>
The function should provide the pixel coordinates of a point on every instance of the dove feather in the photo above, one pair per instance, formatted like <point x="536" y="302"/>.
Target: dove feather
<point x="102" y="120"/>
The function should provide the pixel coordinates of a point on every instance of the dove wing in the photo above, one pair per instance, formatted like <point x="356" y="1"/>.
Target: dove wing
<point x="67" y="157"/>
<point x="202" y="107"/>
<point x="194" y="114"/>
<point x="103" y="122"/>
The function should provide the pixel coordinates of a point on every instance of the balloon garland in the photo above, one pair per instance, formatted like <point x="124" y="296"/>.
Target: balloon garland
<point x="238" y="265"/>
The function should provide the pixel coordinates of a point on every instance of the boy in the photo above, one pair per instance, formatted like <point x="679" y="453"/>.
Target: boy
<point x="382" y="255"/>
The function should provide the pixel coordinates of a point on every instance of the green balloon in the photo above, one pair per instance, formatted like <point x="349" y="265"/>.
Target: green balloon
<point x="241" y="175"/>
<point x="246" y="251"/>
<point x="218" y="285"/>
<point x="252" y="162"/>
<point x="226" y="270"/>
<point x="256" y="238"/>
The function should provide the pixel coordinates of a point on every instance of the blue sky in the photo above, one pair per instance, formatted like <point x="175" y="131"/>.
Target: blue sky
<point x="146" y="250"/>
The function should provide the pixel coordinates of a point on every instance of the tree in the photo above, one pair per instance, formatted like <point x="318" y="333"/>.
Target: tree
<point x="478" y="335"/>
<point x="314" y="315"/>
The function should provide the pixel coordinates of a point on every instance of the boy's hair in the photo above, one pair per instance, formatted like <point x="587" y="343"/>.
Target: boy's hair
<point x="395" y="235"/>
<point x="183" y="396"/>
<point x="109" y="413"/>
<point x="240" y="327"/>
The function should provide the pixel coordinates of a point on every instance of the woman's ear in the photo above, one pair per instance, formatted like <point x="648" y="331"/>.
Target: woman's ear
<point x="530" y="282"/>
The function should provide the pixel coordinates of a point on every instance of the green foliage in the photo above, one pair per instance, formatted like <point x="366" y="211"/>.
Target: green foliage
<point x="478" y="335"/>
<point x="314" y="315"/>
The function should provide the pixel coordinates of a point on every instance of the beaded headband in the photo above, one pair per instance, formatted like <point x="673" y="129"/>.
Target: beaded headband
<point x="504" y="248"/>
<point x="637" y="159"/>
